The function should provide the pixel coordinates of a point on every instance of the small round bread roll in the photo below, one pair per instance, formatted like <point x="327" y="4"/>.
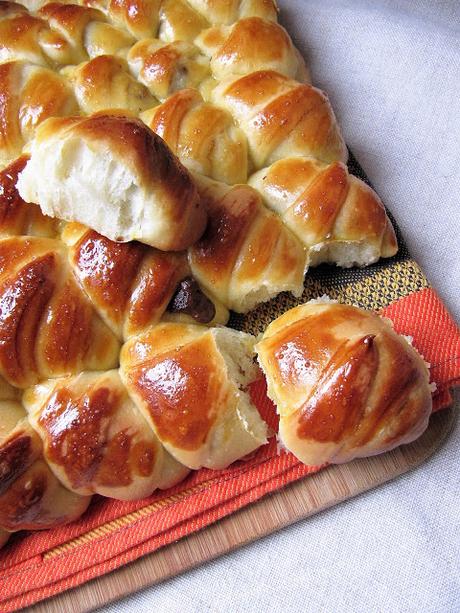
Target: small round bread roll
<point x="346" y="385"/>
<point x="96" y="441"/>
<point x="112" y="173"/>
<point x="190" y="382"/>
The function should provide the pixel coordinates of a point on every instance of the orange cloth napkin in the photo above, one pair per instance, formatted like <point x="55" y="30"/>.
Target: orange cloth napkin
<point x="34" y="566"/>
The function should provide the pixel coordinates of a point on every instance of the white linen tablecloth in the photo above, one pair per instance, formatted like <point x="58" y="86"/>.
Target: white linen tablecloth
<point x="392" y="71"/>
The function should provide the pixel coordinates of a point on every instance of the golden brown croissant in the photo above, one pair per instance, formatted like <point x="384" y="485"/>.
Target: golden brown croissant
<point x="338" y="217"/>
<point x="133" y="286"/>
<point x="96" y="441"/>
<point x="281" y="117"/>
<point x="16" y="216"/>
<point x="113" y="174"/>
<point x="166" y="68"/>
<point x="246" y="255"/>
<point x="345" y="384"/>
<point x="202" y="135"/>
<point x="30" y="94"/>
<point x="58" y="35"/>
<point x="105" y="83"/>
<point x="47" y="326"/>
<point x="249" y="45"/>
<point x="190" y="383"/>
<point x="31" y="498"/>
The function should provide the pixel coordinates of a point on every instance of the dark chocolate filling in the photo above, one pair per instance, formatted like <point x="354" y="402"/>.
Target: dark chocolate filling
<point x="189" y="299"/>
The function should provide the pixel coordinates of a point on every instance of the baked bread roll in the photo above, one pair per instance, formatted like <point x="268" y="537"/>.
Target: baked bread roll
<point x="249" y="45"/>
<point x="190" y="382"/>
<point x="138" y="17"/>
<point x="96" y="441"/>
<point x="113" y="174"/>
<point x="338" y="217"/>
<point x="225" y="12"/>
<point x="16" y="216"/>
<point x="167" y="68"/>
<point x="281" y="118"/>
<point x="179" y="21"/>
<point x="20" y="35"/>
<point x="30" y="94"/>
<point x="246" y="255"/>
<point x="58" y="35"/>
<point x="345" y="384"/>
<point x="133" y="286"/>
<point x="31" y="498"/>
<point x="105" y="83"/>
<point x="47" y="327"/>
<point x="168" y="19"/>
<point x="202" y="135"/>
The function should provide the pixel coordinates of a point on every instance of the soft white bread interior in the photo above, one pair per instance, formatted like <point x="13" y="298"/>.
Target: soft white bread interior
<point x="345" y="384"/>
<point x="191" y="384"/>
<point x="113" y="174"/>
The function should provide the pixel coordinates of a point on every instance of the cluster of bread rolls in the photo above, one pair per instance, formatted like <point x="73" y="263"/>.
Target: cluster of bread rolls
<point x="162" y="162"/>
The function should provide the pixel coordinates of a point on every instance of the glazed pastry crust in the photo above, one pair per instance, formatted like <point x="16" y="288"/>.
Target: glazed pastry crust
<point x="345" y="384"/>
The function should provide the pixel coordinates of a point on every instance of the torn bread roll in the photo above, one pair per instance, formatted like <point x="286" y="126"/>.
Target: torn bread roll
<point x="112" y="173"/>
<point x="345" y="384"/>
<point x="338" y="218"/>
<point x="246" y="255"/>
<point x="190" y="383"/>
<point x="96" y="441"/>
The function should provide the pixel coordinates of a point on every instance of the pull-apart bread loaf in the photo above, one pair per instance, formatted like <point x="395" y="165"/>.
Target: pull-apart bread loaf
<point x="190" y="383"/>
<point x="113" y="174"/>
<point x="119" y="261"/>
<point x="345" y="384"/>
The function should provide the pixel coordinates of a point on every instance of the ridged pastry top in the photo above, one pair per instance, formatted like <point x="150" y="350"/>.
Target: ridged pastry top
<point x="246" y="254"/>
<point x="324" y="204"/>
<point x="281" y="117"/>
<point x="94" y="437"/>
<point x="31" y="497"/>
<point x="345" y="384"/>
<point x="202" y="135"/>
<point x="16" y="216"/>
<point x="183" y="379"/>
<point x="249" y="45"/>
<point x="167" y="68"/>
<point x="47" y="326"/>
<point x="105" y="83"/>
<point x="130" y="284"/>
